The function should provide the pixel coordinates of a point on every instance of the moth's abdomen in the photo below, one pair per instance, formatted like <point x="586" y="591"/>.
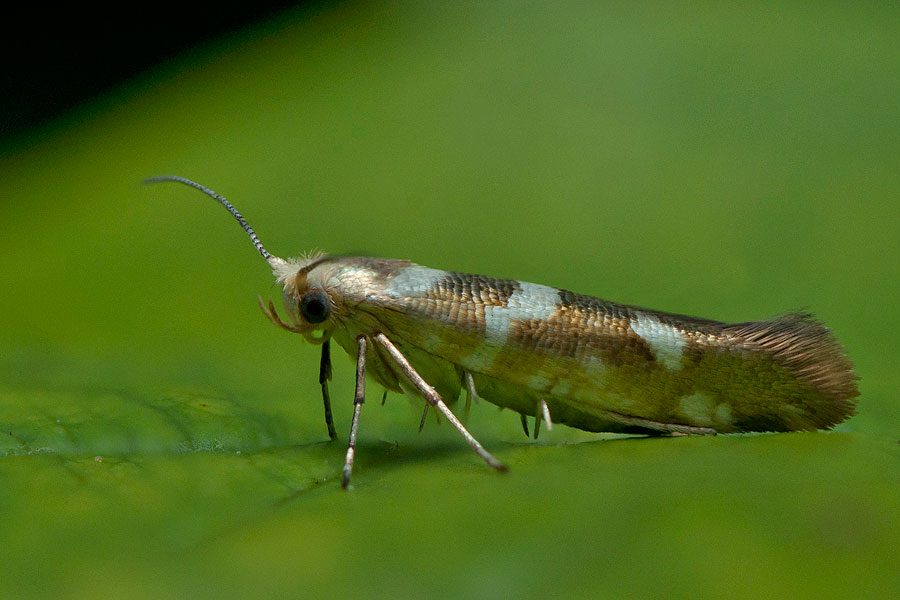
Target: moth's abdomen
<point x="594" y="361"/>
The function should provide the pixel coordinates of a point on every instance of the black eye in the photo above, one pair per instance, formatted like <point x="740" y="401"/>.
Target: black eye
<point x="314" y="307"/>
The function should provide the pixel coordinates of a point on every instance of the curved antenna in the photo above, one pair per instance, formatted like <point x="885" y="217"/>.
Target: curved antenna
<point x="221" y="200"/>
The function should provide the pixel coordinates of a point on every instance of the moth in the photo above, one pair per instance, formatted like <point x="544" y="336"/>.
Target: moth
<point x="551" y="354"/>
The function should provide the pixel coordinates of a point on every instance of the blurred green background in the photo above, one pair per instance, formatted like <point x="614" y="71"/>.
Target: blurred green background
<point x="161" y="439"/>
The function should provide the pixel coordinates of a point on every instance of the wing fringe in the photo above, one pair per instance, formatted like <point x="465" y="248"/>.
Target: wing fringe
<point x="802" y="344"/>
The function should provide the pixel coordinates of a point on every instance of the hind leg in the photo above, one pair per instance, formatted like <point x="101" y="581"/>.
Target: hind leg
<point x="659" y="428"/>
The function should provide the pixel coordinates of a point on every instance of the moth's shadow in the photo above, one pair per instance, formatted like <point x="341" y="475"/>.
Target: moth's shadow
<point x="384" y="455"/>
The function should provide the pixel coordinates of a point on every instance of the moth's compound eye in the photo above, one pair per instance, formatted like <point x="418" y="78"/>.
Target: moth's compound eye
<point x="315" y="307"/>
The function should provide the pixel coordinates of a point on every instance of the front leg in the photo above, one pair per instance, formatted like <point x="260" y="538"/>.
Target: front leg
<point x="324" y="376"/>
<point x="358" y="399"/>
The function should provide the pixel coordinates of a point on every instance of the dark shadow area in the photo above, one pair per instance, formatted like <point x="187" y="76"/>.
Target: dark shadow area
<point x="58" y="57"/>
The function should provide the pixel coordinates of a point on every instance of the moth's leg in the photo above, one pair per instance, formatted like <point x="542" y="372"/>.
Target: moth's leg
<point x="470" y="386"/>
<point x="384" y="397"/>
<point x="437" y="418"/>
<point x="424" y="414"/>
<point x="324" y="376"/>
<point x="525" y="424"/>
<point x="358" y="400"/>
<point x="541" y="413"/>
<point x="661" y="427"/>
<point x="434" y="399"/>
<point x="545" y="415"/>
<point x="471" y="392"/>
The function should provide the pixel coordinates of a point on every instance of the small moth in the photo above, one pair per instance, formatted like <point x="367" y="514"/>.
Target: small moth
<point x="554" y="355"/>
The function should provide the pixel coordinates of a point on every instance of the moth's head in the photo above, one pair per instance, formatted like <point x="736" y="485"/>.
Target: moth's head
<point x="307" y="301"/>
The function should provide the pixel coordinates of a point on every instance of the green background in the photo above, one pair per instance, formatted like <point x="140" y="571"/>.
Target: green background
<point x="160" y="439"/>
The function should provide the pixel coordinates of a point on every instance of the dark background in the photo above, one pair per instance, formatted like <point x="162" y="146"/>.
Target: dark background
<point x="57" y="58"/>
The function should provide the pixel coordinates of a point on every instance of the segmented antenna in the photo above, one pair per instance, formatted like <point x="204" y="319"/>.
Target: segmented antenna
<point x="221" y="200"/>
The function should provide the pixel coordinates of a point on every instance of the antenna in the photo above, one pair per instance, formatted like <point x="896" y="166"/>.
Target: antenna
<point x="221" y="200"/>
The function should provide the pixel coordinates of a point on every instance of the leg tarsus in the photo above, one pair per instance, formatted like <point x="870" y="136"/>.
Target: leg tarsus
<point x="358" y="399"/>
